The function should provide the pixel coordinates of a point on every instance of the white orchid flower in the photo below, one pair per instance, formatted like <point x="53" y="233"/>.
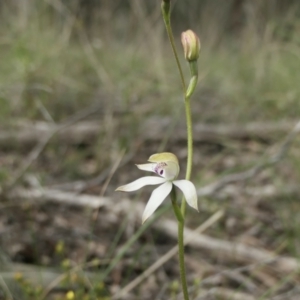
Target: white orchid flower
<point x="166" y="166"/>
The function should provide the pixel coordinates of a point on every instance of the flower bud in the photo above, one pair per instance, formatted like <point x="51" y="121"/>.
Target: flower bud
<point x="191" y="45"/>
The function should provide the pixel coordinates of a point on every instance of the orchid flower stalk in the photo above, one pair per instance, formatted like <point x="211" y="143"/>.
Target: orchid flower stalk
<point x="191" y="48"/>
<point x="166" y="165"/>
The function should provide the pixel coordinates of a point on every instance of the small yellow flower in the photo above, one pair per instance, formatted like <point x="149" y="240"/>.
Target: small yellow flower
<point x="18" y="276"/>
<point x="166" y="166"/>
<point x="59" y="247"/>
<point x="70" y="295"/>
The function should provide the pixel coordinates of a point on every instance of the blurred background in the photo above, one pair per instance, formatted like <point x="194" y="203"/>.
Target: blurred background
<point x="89" y="88"/>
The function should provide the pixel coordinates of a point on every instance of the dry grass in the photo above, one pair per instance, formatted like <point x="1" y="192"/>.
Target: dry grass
<point x="59" y="58"/>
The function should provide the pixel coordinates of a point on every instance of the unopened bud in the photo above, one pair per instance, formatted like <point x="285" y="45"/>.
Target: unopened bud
<point x="191" y="45"/>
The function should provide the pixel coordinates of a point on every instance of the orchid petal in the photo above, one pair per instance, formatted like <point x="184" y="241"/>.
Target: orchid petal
<point x="139" y="183"/>
<point x="189" y="192"/>
<point x="156" y="199"/>
<point x="147" y="167"/>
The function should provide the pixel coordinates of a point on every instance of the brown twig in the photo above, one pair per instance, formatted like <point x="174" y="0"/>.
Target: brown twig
<point x="250" y="173"/>
<point x="232" y="250"/>
<point x="29" y="133"/>
<point x="35" y="153"/>
<point x="112" y="171"/>
<point x="125" y="290"/>
<point x="80" y="186"/>
<point x="224" y="293"/>
<point x="67" y="198"/>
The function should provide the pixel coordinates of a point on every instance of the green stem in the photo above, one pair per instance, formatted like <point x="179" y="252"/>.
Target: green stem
<point x="190" y="90"/>
<point x="180" y="219"/>
<point x="175" y="206"/>
<point x="181" y="260"/>
<point x="189" y="146"/>
<point x="180" y="214"/>
<point x="189" y="128"/>
<point x="166" y="13"/>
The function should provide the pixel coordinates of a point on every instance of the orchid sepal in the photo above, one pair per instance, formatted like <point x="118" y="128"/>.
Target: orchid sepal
<point x="139" y="183"/>
<point x="189" y="191"/>
<point x="156" y="199"/>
